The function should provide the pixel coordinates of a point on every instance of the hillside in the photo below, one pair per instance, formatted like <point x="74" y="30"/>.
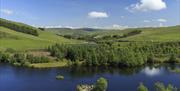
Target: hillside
<point x="147" y="34"/>
<point x="10" y="38"/>
<point x="20" y="41"/>
<point x="19" y="27"/>
<point x="157" y="34"/>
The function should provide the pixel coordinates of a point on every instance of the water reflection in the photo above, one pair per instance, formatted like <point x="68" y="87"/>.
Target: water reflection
<point x="152" y="71"/>
<point x="127" y="79"/>
<point x="78" y="72"/>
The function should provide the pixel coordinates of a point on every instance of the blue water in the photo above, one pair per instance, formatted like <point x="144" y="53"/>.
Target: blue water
<point x="26" y="79"/>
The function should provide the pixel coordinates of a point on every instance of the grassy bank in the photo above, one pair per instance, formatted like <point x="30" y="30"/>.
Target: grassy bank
<point x="49" y="65"/>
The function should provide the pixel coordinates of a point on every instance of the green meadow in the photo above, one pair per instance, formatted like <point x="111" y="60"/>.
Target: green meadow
<point x="22" y="41"/>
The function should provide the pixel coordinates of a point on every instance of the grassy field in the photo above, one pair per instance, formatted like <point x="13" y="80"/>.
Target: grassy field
<point x="157" y="34"/>
<point x="49" y="65"/>
<point x="22" y="41"/>
<point x="161" y="34"/>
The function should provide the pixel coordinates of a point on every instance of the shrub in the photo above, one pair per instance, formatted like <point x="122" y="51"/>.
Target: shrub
<point x="59" y="77"/>
<point x="142" y="87"/>
<point x="101" y="85"/>
<point x="172" y="58"/>
<point x="4" y="57"/>
<point x="161" y="87"/>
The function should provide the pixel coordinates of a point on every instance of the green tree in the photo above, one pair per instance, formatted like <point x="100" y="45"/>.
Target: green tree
<point x="161" y="87"/>
<point x="101" y="85"/>
<point x="172" y="58"/>
<point x="142" y="87"/>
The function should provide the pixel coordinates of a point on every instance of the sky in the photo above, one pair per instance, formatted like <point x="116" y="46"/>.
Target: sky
<point x="92" y="13"/>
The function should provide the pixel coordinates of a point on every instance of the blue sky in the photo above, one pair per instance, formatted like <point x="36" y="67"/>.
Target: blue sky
<point x="92" y="13"/>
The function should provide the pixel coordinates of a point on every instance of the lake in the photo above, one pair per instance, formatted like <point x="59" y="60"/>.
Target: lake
<point x="120" y="79"/>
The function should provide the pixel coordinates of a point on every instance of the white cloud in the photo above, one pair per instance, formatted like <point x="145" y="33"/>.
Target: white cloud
<point x="161" y="20"/>
<point x="6" y="11"/>
<point x="147" y="5"/>
<point x="58" y="26"/>
<point x="95" y="14"/>
<point x="116" y="26"/>
<point x="146" y="21"/>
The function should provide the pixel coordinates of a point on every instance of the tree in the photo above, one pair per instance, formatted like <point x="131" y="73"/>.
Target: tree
<point x="19" y="27"/>
<point x="161" y="87"/>
<point x="172" y="58"/>
<point x="101" y="85"/>
<point x="142" y="87"/>
<point x="151" y="58"/>
<point x="4" y="57"/>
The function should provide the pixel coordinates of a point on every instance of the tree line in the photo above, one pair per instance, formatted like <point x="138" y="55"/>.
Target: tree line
<point x="21" y="59"/>
<point x="158" y="87"/>
<point x="103" y="54"/>
<point x="19" y="27"/>
<point x="105" y="37"/>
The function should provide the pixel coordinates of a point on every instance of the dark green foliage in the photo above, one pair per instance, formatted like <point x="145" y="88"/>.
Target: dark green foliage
<point x="134" y="32"/>
<point x="43" y="29"/>
<point x="19" y="27"/>
<point x="151" y="58"/>
<point x="18" y="58"/>
<point x="161" y="87"/>
<point x="4" y="57"/>
<point x="142" y="87"/>
<point x="69" y="36"/>
<point x="108" y="54"/>
<point x="158" y="87"/>
<point x="172" y="58"/>
<point x="10" y="50"/>
<point x="101" y="85"/>
<point x="21" y="59"/>
<point x="37" y="59"/>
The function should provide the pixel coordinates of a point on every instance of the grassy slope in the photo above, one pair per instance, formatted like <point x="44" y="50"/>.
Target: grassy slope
<point x="21" y="41"/>
<point x="17" y="40"/>
<point x="148" y="34"/>
<point x="158" y="34"/>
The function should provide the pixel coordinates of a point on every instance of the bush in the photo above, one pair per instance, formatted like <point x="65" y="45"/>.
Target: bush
<point x="42" y="29"/>
<point x="142" y="87"/>
<point x="134" y="32"/>
<point x="161" y="87"/>
<point x="18" y="58"/>
<point x="101" y="85"/>
<point x="37" y="59"/>
<point x="10" y="50"/>
<point x="59" y="77"/>
<point x="4" y="57"/>
<point x="172" y="58"/>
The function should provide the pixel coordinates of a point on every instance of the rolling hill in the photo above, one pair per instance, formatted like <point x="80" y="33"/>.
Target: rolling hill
<point x="157" y="34"/>
<point x="11" y="38"/>
<point x="148" y="34"/>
